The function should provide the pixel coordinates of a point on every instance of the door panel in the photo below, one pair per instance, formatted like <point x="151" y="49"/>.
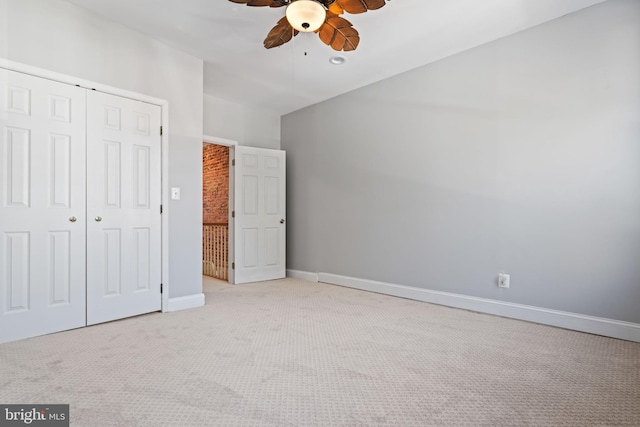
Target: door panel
<point x="18" y="163"/>
<point x="142" y="258"/>
<point x="42" y="187"/>
<point x="60" y="253"/>
<point x="123" y="207"/>
<point x="60" y="173"/>
<point x="17" y="265"/>
<point x="259" y="195"/>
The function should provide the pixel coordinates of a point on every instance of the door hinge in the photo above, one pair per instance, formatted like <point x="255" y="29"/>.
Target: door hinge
<point x="160" y="130"/>
<point x="233" y="162"/>
<point x="233" y="214"/>
<point x="160" y="287"/>
<point x="160" y="208"/>
<point x="233" y="265"/>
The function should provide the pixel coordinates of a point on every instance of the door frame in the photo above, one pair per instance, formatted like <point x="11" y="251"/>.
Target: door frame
<point x="232" y="243"/>
<point x="164" y="185"/>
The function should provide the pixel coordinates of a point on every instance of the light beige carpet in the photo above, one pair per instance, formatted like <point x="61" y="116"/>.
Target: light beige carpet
<point x="293" y="353"/>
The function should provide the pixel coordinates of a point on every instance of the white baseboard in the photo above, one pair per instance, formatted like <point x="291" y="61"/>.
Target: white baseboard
<point x="578" y="322"/>
<point x="183" y="303"/>
<point x="303" y="275"/>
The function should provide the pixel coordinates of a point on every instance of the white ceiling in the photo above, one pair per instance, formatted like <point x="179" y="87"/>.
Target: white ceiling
<point x="404" y="34"/>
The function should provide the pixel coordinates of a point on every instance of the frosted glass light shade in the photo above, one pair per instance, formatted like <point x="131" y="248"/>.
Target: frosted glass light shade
<point x="306" y="15"/>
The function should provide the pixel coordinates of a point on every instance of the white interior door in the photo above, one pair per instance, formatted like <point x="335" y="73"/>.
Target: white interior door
<point x="123" y="207"/>
<point x="42" y="206"/>
<point x="259" y="178"/>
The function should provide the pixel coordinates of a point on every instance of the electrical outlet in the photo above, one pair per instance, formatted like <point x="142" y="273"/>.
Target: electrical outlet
<point x="504" y="280"/>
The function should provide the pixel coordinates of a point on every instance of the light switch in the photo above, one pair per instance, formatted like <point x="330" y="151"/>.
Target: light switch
<point x="175" y="193"/>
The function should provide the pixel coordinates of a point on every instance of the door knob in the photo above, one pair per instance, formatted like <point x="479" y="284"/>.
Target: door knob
<point x="73" y="219"/>
<point x="282" y="221"/>
<point x="98" y="218"/>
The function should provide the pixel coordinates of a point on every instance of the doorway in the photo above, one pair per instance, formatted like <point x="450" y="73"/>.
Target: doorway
<point x="215" y="211"/>
<point x="253" y="232"/>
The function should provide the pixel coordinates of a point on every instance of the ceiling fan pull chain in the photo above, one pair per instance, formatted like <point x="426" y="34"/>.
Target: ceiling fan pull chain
<point x="293" y="60"/>
<point x="305" y="40"/>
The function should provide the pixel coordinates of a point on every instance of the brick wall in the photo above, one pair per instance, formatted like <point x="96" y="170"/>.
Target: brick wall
<point x="215" y="184"/>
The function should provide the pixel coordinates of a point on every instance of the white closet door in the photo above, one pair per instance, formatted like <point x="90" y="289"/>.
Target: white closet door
<point x="42" y="206"/>
<point x="123" y="207"/>
<point x="259" y="223"/>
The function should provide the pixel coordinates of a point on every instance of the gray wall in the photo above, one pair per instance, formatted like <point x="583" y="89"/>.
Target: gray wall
<point x="61" y="37"/>
<point x="522" y="155"/>
<point x="251" y="126"/>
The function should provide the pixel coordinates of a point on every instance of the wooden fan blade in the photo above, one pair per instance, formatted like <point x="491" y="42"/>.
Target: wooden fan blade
<point x="335" y="8"/>
<point x="360" y="6"/>
<point x="338" y="33"/>
<point x="280" y="34"/>
<point x="270" y="3"/>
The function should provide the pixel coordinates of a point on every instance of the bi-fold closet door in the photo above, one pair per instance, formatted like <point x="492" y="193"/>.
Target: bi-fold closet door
<point x="123" y="207"/>
<point x="79" y="206"/>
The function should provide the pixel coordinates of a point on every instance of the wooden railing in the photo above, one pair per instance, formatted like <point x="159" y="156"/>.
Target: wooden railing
<point x="215" y="250"/>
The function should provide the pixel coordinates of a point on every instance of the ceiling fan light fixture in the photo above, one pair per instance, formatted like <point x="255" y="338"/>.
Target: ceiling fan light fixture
<point x="306" y="15"/>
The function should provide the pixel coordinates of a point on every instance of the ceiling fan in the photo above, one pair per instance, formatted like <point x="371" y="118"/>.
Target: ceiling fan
<point x="320" y="16"/>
